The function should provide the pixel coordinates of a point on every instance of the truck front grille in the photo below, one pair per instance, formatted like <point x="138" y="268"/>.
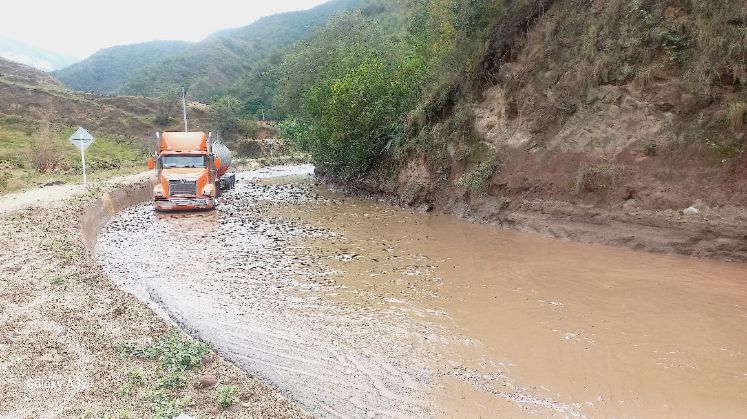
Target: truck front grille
<point x="178" y="187"/>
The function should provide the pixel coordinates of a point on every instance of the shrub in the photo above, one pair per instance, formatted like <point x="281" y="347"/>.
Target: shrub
<point x="736" y="115"/>
<point x="596" y="178"/>
<point x="476" y="181"/>
<point x="4" y="179"/>
<point x="227" y="396"/>
<point x="45" y="156"/>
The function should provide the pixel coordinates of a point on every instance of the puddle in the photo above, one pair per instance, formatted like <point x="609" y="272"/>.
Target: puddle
<point x="355" y="308"/>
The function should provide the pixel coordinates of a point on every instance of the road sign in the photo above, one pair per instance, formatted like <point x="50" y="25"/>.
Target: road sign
<point x="82" y="139"/>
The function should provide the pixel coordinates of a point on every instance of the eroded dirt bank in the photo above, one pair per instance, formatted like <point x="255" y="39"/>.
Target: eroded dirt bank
<point x="63" y="323"/>
<point x="582" y="122"/>
<point x="356" y="308"/>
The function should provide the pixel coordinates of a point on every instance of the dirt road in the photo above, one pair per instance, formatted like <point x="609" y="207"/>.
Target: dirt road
<point x="355" y="308"/>
<point x="63" y="323"/>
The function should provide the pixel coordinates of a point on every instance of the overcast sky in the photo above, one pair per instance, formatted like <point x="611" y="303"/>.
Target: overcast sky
<point x="81" y="27"/>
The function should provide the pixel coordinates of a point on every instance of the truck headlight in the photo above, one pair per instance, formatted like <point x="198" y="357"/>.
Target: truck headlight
<point x="158" y="191"/>
<point x="208" y="190"/>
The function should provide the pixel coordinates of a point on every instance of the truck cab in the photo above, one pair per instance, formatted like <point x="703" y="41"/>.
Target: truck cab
<point x="191" y="171"/>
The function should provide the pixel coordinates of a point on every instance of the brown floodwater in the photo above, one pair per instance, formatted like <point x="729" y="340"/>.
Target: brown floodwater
<point x="359" y="309"/>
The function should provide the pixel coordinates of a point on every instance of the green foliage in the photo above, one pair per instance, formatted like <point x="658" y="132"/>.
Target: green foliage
<point x="175" y="353"/>
<point x="297" y="132"/>
<point x="164" y="406"/>
<point x="355" y="115"/>
<point x="227" y="396"/>
<point x="169" y="103"/>
<point x="676" y="43"/>
<point x="230" y="120"/>
<point x="361" y="84"/>
<point x="227" y="110"/>
<point x="134" y="380"/>
<point x="476" y="181"/>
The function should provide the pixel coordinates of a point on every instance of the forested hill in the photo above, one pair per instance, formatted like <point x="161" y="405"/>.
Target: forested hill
<point x="108" y="69"/>
<point x="231" y="61"/>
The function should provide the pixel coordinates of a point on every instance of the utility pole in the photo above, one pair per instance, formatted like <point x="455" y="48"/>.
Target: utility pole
<point x="184" y="108"/>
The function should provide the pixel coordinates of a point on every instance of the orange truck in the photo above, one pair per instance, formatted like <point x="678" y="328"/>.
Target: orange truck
<point x="192" y="171"/>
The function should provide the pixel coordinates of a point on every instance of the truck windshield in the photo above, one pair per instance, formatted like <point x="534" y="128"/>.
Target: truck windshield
<point x="171" y="162"/>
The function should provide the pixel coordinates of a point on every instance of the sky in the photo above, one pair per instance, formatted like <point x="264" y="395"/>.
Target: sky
<point x="81" y="27"/>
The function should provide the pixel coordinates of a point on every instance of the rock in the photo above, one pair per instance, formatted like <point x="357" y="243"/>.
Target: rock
<point x="207" y="381"/>
<point x="184" y="416"/>
<point x="424" y="208"/>
<point x="691" y="211"/>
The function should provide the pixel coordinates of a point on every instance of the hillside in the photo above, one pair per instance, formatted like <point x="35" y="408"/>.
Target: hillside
<point x="598" y="122"/>
<point x="232" y="61"/>
<point x="107" y="70"/>
<point x="37" y="114"/>
<point x="33" y="56"/>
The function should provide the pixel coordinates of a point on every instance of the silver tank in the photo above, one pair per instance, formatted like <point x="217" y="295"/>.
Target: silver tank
<point x="224" y="154"/>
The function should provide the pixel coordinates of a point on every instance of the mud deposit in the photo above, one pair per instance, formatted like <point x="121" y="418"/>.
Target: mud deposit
<point x="355" y="308"/>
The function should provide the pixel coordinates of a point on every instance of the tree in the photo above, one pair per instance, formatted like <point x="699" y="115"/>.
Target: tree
<point x="226" y="113"/>
<point x="169" y="101"/>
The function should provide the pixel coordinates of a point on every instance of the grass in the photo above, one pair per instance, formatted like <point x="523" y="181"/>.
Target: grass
<point x="109" y="156"/>
<point x="596" y="177"/>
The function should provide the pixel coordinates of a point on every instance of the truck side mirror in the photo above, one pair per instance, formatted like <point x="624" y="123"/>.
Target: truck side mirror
<point x="151" y="163"/>
<point x="218" y="163"/>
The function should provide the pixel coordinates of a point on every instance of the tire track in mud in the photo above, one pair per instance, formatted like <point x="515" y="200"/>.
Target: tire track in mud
<point x="242" y="279"/>
<point x="230" y="278"/>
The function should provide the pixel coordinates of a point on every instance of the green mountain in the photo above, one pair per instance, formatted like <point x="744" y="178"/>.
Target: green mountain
<point x="233" y="61"/>
<point x="108" y="69"/>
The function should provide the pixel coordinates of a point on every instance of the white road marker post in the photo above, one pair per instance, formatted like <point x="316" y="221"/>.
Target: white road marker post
<point x="82" y="139"/>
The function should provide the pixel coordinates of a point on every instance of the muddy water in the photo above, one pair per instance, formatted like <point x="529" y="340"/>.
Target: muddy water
<point x="355" y="308"/>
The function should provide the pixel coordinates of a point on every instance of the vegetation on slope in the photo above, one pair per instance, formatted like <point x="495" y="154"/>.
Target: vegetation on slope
<point x="555" y="64"/>
<point x="351" y="86"/>
<point x="36" y="153"/>
<point x="235" y="61"/>
<point x="107" y="70"/>
<point x="38" y="114"/>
